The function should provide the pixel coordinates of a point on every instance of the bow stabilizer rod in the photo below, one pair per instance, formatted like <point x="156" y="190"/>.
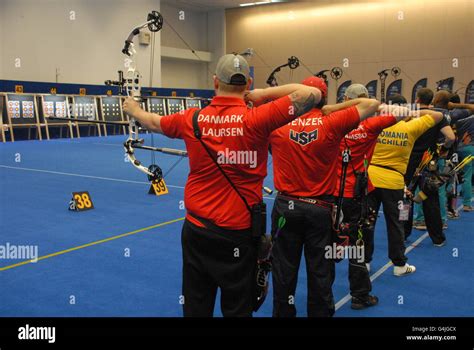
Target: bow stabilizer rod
<point x="93" y="121"/>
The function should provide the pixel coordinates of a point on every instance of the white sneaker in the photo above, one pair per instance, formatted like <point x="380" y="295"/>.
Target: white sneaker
<point x="403" y="270"/>
<point x="368" y="266"/>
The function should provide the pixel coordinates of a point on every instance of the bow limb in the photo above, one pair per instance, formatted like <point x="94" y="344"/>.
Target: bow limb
<point x="133" y="89"/>
<point x="293" y="63"/>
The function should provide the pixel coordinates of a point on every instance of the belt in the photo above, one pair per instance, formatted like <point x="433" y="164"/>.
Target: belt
<point x="314" y="201"/>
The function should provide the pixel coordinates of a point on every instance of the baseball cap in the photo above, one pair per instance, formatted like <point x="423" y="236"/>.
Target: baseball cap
<point x="318" y="83"/>
<point x="233" y="69"/>
<point x="356" y="91"/>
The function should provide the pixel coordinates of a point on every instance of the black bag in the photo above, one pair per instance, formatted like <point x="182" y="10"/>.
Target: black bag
<point x="361" y="184"/>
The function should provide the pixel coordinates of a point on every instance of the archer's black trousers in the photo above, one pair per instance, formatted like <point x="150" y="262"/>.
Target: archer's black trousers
<point x="359" y="279"/>
<point x="432" y="214"/>
<point x="395" y="228"/>
<point x="414" y="162"/>
<point x="218" y="258"/>
<point x="307" y="227"/>
<point x="431" y="206"/>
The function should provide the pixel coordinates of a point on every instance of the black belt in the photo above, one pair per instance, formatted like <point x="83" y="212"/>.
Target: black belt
<point x="213" y="227"/>
<point x="309" y="200"/>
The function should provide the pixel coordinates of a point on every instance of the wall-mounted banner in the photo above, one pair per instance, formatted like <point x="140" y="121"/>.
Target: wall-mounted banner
<point x="422" y="83"/>
<point x="394" y="88"/>
<point x="372" y="88"/>
<point x="342" y="89"/>
<point x="252" y="75"/>
<point x="445" y="84"/>
<point x="469" y="98"/>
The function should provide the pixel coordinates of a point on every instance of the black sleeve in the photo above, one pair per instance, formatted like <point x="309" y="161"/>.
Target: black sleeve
<point x="444" y="122"/>
<point x="459" y="114"/>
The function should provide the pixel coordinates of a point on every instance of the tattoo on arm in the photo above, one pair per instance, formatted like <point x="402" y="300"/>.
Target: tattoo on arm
<point x="301" y="105"/>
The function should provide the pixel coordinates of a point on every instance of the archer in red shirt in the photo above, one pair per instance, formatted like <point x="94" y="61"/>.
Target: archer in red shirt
<point x="305" y="155"/>
<point x="361" y="142"/>
<point x="356" y="214"/>
<point x="207" y="193"/>
<point x="219" y="250"/>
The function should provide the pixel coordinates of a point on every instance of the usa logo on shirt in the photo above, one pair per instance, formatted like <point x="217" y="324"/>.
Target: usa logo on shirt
<point x="303" y="138"/>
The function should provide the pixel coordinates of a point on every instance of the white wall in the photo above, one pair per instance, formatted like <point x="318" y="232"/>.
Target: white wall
<point x="216" y="33"/>
<point x="2" y="13"/>
<point x="203" y="31"/>
<point x="87" y="50"/>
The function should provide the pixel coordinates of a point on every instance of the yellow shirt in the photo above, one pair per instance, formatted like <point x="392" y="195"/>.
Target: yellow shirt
<point x="393" y="149"/>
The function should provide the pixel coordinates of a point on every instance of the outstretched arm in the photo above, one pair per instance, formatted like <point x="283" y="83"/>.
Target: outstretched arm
<point x="151" y="121"/>
<point x="399" y="112"/>
<point x="303" y="97"/>
<point x="469" y="106"/>
<point x="328" y="109"/>
<point x="365" y="106"/>
<point x="449" y="136"/>
<point x="437" y="116"/>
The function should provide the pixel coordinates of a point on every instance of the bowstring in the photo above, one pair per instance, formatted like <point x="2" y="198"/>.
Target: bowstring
<point x="152" y="64"/>
<point x="188" y="46"/>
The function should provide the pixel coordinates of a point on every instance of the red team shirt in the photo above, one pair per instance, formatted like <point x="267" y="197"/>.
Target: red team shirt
<point x="229" y="127"/>
<point x="306" y="149"/>
<point x="361" y="141"/>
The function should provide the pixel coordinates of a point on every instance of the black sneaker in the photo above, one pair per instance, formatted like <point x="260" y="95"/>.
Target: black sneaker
<point x="363" y="303"/>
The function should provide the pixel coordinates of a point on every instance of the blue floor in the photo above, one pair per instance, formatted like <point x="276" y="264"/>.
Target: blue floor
<point x="99" y="280"/>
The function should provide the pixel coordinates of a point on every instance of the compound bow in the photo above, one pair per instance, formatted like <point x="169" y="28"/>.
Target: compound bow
<point x="132" y="86"/>
<point x="383" y="76"/>
<point x="293" y="63"/>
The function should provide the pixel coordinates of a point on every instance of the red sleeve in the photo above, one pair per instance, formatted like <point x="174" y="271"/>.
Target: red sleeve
<point x="343" y="121"/>
<point x="173" y="125"/>
<point x="375" y="125"/>
<point x="272" y="115"/>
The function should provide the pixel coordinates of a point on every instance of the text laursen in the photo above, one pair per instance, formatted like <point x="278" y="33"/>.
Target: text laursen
<point x="220" y="132"/>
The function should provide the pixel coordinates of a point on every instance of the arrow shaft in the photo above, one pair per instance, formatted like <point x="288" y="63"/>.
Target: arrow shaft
<point x="79" y="120"/>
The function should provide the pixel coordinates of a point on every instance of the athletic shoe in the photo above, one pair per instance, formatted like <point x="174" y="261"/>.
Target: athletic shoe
<point x="468" y="208"/>
<point x="419" y="225"/>
<point x="443" y="243"/>
<point x="453" y="215"/>
<point x="403" y="270"/>
<point x="363" y="303"/>
<point x="368" y="266"/>
<point x="445" y="226"/>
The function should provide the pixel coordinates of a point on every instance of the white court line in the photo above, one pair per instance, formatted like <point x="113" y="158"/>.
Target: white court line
<point x="348" y="297"/>
<point x="81" y="175"/>
<point x="108" y="144"/>
<point x="64" y="141"/>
